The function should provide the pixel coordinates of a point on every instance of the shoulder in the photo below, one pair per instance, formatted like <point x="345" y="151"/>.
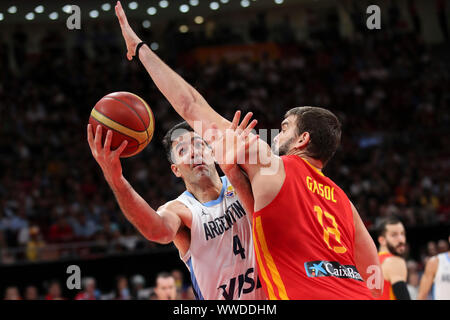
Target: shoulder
<point x="395" y="263"/>
<point x="432" y="263"/>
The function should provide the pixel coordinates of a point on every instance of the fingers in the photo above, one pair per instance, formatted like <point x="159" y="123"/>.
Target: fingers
<point x="107" y="145"/>
<point x="90" y="138"/>
<point x="98" y="138"/>
<point x="253" y="139"/>
<point x="120" y="13"/>
<point x="122" y="147"/>
<point x="212" y="134"/>
<point x="249" y="128"/>
<point x="235" y="122"/>
<point x="245" y="121"/>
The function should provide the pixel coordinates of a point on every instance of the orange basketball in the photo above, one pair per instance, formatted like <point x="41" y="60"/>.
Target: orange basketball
<point x="129" y="117"/>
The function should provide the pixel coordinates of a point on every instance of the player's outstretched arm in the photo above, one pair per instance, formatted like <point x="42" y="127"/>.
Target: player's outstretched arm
<point x="193" y="108"/>
<point x="156" y="227"/>
<point x="186" y="100"/>
<point x="366" y="257"/>
<point x="231" y="146"/>
<point x="428" y="278"/>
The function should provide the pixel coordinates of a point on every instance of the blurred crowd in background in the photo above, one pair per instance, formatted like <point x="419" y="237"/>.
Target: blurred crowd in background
<point x="167" y="286"/>
<point x="389" y="89"/>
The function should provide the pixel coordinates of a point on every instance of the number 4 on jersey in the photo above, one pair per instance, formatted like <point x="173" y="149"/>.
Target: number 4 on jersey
<point x="237" y="247"/>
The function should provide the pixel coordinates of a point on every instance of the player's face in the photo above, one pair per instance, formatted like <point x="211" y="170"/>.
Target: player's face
<point x="283" y="142"/>
<point x="192" y="157"/>
<point x="395" y="239"/>
<point x="165" y="289"/>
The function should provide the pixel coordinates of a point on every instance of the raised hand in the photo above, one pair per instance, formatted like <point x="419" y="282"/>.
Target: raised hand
<point x="131" y="39"/>
<point x="231" y="147"/>
<point x="108" y="160"/>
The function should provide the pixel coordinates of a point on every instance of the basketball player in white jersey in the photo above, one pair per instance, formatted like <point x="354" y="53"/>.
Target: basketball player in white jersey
<point x="207" y="223"/>
<point x="437" y="271"/>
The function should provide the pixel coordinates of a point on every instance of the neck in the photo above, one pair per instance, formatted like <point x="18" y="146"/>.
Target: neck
<point x="383" y="249"/>
<point x="314" y="162"/>
<point x="207" y="189"/>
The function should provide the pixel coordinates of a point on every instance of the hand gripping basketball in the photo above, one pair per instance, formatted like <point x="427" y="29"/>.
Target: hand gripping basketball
<point x="108" y="160"/>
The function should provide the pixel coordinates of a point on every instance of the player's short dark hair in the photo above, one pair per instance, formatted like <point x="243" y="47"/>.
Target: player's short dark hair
<point x="382" y="227"/>
<point x="173" y="134"/>
<point x="324" y="130"/>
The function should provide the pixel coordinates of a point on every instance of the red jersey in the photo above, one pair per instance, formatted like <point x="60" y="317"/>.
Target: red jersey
<point x="388" y="293"/>
<point x="304" y="239"/>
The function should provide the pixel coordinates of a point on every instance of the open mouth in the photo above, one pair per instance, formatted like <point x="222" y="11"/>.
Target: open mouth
<point x="196" y="165"/>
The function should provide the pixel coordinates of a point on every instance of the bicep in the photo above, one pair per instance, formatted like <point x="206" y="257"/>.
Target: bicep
<point x="397" y="270"/>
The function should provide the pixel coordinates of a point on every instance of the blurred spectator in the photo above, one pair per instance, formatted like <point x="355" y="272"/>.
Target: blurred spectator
<point x="12" y="293"/>
<point x="122" y="289"/>
<point x="31" y="293"/>
<point x="413" y="280"/>
<point x="442" y="246"/>
<point x="139" y="292"/>
<point x="184" y="291"/>
<point x="60" y="231"/>
<point x="83" y="227"/>
<point x="431" y="251"/>
<point x="35" y="244"/>
<point x="179" y="283"/>
<point x="54" y="291"/>
<point x="413" y="284"/>
<point x="165" y="288"/>
<point x="89" y="290"/>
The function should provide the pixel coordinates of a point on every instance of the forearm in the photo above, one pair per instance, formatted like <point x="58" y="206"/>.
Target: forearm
<point x="184" y="98"/>
<point x="425" y="285"/>
<point x="242" y="187"/>
<point x="138" y="212"/>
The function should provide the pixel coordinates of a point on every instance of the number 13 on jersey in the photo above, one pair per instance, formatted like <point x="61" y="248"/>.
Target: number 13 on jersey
<point x="329" y="230"/>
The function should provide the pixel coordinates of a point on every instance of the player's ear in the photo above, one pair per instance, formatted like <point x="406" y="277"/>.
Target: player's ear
<point x="302" y="140"/>
<point x="175" y="170"/>
<point x="381" y="240"/>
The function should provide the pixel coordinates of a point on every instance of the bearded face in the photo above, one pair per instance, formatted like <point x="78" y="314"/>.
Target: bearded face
<point x="394" y="239"/>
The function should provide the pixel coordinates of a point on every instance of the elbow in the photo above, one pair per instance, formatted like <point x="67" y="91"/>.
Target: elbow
<point x="159" y="237"/>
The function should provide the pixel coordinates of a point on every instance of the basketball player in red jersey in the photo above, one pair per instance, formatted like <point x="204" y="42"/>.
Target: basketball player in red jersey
<point x="310" y="242"/>
<point x="392" y="247"/>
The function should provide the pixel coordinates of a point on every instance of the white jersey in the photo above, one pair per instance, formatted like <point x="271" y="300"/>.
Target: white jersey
<point x="442" y="278"/>
<point x="221" y="259"/>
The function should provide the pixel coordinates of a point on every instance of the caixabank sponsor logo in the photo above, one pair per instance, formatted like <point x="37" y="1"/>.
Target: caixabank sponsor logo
<point x="331" y="269"/>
